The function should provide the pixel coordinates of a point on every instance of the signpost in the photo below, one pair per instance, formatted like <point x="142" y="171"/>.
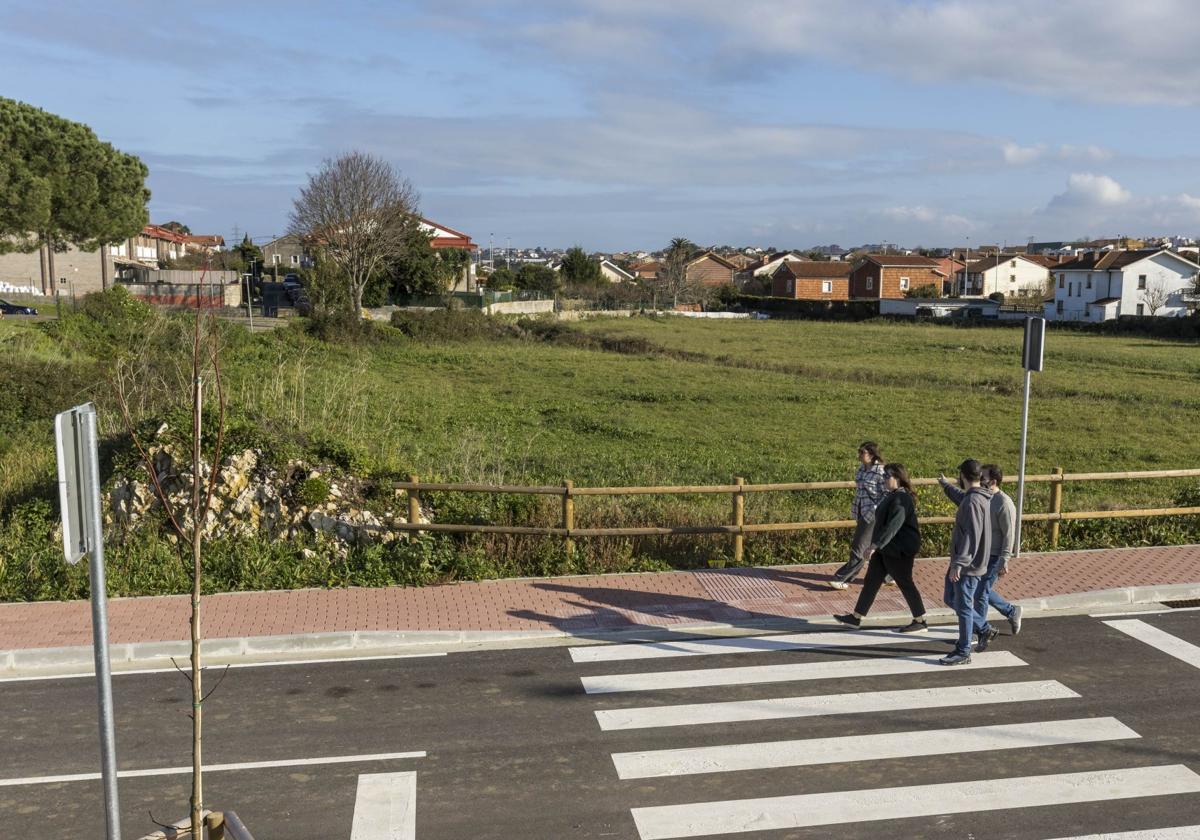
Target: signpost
<point x="1031" y="360"/>
<point x="83" y="535"/>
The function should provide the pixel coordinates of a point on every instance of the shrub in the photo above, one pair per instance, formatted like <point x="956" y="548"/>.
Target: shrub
<point x="452" y="325"/>
<point x="312" y="491"/>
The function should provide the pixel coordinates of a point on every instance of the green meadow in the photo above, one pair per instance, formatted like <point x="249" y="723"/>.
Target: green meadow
<point x="642" y="401"/>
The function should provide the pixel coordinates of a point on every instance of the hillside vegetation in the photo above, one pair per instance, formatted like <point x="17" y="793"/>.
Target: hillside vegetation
<point x="458" y="397"/>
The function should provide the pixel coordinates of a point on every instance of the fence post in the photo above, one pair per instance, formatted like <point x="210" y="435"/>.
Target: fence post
<point x="568" y="515"/>
<point x="215" y="823"/>
<point x="1056" y="491"/>
<point x="739" y="519"/>
<point x="414" y="507"/>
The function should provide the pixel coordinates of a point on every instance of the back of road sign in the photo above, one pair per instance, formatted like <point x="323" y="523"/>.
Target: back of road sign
<point x="1035" y="340"/>
<point x="70" y="437"/>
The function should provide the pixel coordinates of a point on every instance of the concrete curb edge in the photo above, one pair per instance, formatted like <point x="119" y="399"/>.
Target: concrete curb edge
<point x="75" y="660"/>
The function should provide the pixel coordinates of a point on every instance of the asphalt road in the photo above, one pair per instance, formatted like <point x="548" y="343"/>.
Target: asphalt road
<point x="514" y="747"/>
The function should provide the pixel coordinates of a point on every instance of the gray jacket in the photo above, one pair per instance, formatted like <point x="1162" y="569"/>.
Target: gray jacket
<point x="971" y="540"/>
<point x="1003" y="516"/>
<point x="1004" y="526"/>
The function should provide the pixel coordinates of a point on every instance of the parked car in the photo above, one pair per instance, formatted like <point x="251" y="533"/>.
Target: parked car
<point x="7" y="308"/>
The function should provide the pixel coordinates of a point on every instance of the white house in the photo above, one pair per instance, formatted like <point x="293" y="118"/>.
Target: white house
<point x="1101" y="285"/>
<point x="613" y="273"/>
<point x="1009" y="274"/>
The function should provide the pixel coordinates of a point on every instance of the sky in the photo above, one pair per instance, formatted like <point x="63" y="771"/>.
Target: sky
<point x="619" y="124"/>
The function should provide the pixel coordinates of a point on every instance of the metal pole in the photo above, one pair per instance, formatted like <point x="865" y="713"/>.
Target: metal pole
<point x="108" y="738"/>
<point x="1021" y="468"/>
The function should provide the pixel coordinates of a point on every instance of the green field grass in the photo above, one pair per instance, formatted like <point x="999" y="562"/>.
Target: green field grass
<point x="673" y="401"/>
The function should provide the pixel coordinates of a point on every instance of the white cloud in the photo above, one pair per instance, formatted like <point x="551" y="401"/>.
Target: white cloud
<point x="1087" y="189"/>
<point x="1021" y="155"/>
<point x="1099" y="51"/>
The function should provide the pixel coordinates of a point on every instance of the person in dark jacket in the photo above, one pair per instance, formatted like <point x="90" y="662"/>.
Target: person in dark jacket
<point x="895" y="541"/>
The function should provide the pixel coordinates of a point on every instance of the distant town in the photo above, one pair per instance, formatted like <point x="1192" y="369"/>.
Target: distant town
<point x="1083" y="280"/>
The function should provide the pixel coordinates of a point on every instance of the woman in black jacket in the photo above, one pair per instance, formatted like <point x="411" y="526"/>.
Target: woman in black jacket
<point x="895" y="542"/>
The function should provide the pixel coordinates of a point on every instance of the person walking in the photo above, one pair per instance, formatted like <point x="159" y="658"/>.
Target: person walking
<point x="1004" y="535"/>
<point x="868" y="490"/>
<point x="895" y="541"/>
<point x="970" y="550"/>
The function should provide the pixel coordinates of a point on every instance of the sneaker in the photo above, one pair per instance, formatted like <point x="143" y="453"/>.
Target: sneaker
<point x="955" y="659"/>
<point x="837" y="584"/>
<point x="913" y="627"/>
<point x="849" y="618"/>
<point x="986" y="638"/>
<point x="1014" y="620"/>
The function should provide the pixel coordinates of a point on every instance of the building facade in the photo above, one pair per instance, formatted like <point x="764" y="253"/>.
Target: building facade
<point x="811" y="280"/>
<point x="878" y="276"/>
<point x="1102" y="285"/>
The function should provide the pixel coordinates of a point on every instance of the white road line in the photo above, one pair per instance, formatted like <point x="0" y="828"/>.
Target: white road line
<point x="1183" y="832"/>
<point x="385" y="807"/>
<point x="213" y="768"/>
<point x="840" y="669"/>
<point x="172" y="670"/>
<point x="1168" y="644"/>
<point x="1157" y="611"/>
<point x="814" y="809"/>
<point x="693" y="714"/>
<point x="810" y="751"/>
<point x="755" y="644"/>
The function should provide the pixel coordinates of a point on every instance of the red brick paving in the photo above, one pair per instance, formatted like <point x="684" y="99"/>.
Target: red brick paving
<point x="571" y="604"/>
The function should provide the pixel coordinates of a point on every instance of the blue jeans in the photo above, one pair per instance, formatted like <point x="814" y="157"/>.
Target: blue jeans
<point x="968" y="598"/>
<point x="994" y="599"/>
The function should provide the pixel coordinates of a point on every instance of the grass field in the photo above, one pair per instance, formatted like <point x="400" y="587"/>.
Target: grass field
<point x="665" y="401"/>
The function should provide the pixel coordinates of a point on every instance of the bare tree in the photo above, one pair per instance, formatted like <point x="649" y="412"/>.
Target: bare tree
<point x="129" y="377"/>
<point x="1156" y="294"/>
<point x="672" y="277"/>
<point x="359" y="212"/>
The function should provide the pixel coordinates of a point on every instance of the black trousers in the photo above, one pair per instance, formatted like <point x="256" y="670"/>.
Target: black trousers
<point x="900" y="567"/>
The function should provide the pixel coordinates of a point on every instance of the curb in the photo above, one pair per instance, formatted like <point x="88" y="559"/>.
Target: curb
<point x="138" y="656"/>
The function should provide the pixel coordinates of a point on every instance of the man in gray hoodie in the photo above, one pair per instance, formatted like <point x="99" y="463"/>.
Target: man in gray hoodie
<point x="970" y="550"/>
<point x="1004" y="534"/>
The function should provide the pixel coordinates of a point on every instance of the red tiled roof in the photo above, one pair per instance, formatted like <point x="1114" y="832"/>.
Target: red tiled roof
<point x="160" y="232"/>
<point x="815" y="268"/>
<point x="901" y="260"/>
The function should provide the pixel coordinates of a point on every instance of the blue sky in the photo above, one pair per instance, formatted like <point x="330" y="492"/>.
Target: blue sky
<point x="618" y="124"/>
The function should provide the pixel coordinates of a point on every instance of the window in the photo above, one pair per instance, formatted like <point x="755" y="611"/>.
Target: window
<point x="1141" y="309"/>
<point x="1012" y="278"/>
<point x="826" y="287"/>
<point x="1012" y="264"/>
<point x="1061" y="277"/>
<point x="1141" y="284"/>
<point x="276" y="259"/>
<point x="1058" y="307"/>
<point x="870" y="283"/>
<point x="1089" y="281"/>
<point x="295" y="259"/>
<point x="903" y="284"/>
<point x="792" y="286"/>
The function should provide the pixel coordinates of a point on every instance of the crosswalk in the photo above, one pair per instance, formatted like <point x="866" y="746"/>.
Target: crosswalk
<point x="863" y="656"/>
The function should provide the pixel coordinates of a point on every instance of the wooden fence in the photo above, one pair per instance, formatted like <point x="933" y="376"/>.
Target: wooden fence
<point x="737" y="527"/>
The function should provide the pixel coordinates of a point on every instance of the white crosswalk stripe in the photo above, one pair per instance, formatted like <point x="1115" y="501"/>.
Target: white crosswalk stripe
<point x="810" y="751"/>
<point x="1164" y="641"/>
<point x="693" y="714"/>
<point x="845" y="807"/>
<point x="755" y="644"/>
<point x="1183" y="832"/>
<point x="703" y="819"/>
<point x="752" y="674"/>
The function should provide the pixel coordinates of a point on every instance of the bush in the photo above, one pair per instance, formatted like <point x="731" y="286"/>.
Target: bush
<point x="929" y="290"/>
<point x="343" y="327"/>
<point x="312" y="491"/>
<point x="456" y="325"/>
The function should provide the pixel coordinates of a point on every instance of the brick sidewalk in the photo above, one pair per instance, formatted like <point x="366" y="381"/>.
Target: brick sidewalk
<point x="576" y="605"/>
